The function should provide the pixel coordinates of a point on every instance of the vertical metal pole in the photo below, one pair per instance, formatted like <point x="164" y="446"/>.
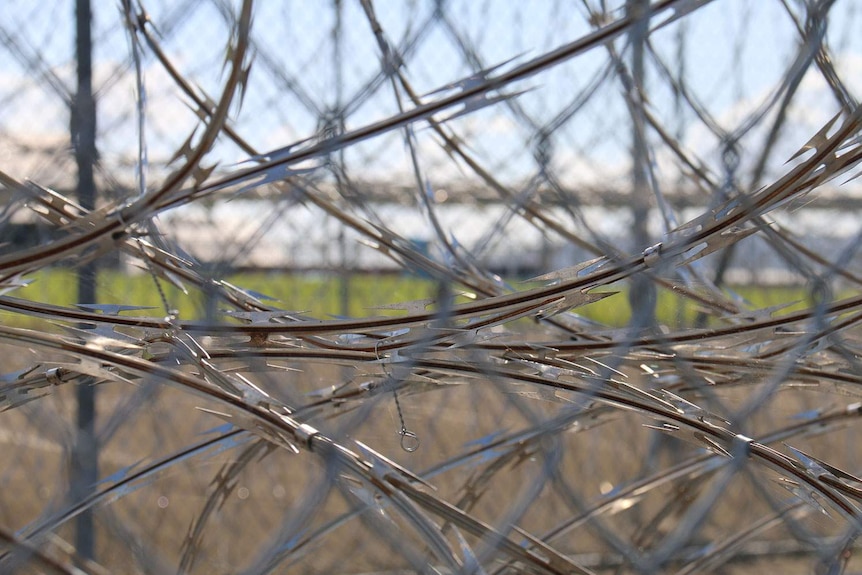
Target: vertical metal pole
<point x="640" y="204"/>
<point x="344" y="271"/>
<point x="642" y="297"/>
<point x="85" y="470"/>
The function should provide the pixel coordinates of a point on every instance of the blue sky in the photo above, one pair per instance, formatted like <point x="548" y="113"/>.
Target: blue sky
<point x="735" y="53"/>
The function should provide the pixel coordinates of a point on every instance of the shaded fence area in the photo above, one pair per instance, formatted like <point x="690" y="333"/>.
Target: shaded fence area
<point x="366" y="286"/>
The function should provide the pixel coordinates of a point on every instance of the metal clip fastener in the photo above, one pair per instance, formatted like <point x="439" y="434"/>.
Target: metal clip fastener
<point x="652" y="255"/>
<point x="305" y="433"/>
<point x="53" y="376"/>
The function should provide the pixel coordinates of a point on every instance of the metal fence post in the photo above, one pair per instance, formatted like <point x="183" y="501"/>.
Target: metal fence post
<point x="85" y="470"/>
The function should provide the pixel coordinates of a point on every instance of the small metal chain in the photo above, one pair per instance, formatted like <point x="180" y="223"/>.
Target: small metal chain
<point x="409" y="440"/>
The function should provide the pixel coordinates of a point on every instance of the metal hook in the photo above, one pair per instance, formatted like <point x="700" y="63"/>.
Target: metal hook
<point x="409" y="440"/>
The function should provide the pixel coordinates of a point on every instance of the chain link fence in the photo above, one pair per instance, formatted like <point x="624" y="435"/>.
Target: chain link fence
<point x="431" y="286"/>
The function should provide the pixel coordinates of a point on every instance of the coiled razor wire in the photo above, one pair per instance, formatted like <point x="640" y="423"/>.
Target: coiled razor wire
<point x="501" y="424"/>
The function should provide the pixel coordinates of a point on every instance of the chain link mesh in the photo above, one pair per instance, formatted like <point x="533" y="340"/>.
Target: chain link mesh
<point x="432" y="286"/>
